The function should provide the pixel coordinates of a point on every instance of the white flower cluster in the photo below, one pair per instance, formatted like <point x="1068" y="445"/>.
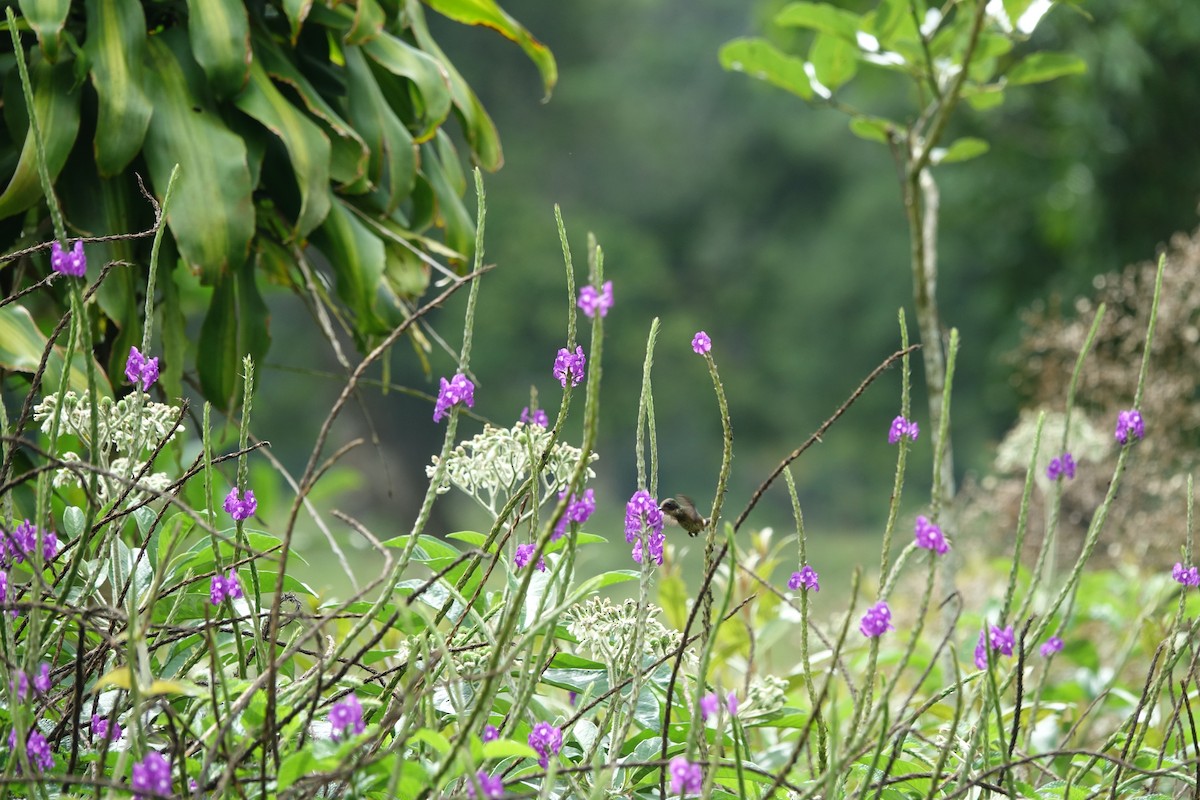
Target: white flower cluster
<point x="608" y="632"/>
<point x="121" y="430"/>
<point x="492" y="465"/>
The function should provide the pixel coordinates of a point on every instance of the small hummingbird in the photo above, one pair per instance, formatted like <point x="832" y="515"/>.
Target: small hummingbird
<point x="682" y="512"/>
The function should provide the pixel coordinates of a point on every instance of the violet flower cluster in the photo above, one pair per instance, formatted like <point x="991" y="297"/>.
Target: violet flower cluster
<point x="536" y="418"/>
<point x="36" y="747"/>
<point x="1061" y="467"/>
<point x="1051" y="646"/>
<point x="686" y="777"/>
<point x="807" y="577"/>
<point x="102" y="730"/>
<point x="1188" y="576"/>
<point x="1001" y="640"/>
<point x="457" y="391"/>
<point x="223" y="587"/>
<point x="569" y="366"/>
<point x="1130" y="426"/>
<point x="642" y="512"/>
<point x="152" y="777"/>
<point x="524" y="553"/>
<point x="492" y="786"/>
<point x="579" y="509"/>
<point x="346" y="717"/>
<point x="592" y="301"/>
<point x="141" y="370"/>
<point x="929" y="536"/>
<point x="19" y="545"/>
<point x="701" y="343"/>
<point x="547" y="741"/>
<point x="903" y="429"/>
<point x="877" y="621"/>
<point x="72" y="262"/>
<point x="240" y="507"/>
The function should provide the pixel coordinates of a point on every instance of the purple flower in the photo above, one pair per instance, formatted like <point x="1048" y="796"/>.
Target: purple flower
<point x="686" y="777"/>
<point x="346" y="716"/>
<point x="930" y="536"/>
<point x="71" y="263"/>
<point x="708" y="705"/>
<point x="102" y="730"/>
<point x="40" y="757"/>
<point x="546" y="740"/>
<point x="731" y="703"/>
<point x="572" y="697"/>
<point x="901" y="429"/>
<point x="492" y="786"/>
<point x="524" y="553"/>
<point x="152" y="776"/>
<point x="1001" y="639"/>
<point x="1130" y="423"/>
<point x="457" y="391"/>
<point x="1188" y="576"/>
<point x="578" y="510"/>
<point x="591" y="301"/>
<point x="224" y="587"/>
<point x="22" y="543"/>
<point x="139" y="369"/>
<point x="877" y="620"/>
<point x="41" y="681"/>
<point x="642" y="512"/>
<point x="240" y="507"/>
<point x="1051" y="646"/>
<point x="4" y="590"/>
<point x="569" y="367"/>
<point x="537" y="418"/>
<point x="701" y="344"/>
<point x="806" y="577"/>
<point x="20" y="685"/>
<point x="1062" y="466"/>
<point x="490" y="733"/>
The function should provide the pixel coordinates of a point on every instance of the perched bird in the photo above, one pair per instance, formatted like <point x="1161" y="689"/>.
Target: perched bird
<point x="682" y="512"/>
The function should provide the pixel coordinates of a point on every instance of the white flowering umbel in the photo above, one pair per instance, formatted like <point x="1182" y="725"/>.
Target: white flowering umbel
<point x="607" y="632"/>
<point x="121" y="430"/>
<point x="491" y="466"/>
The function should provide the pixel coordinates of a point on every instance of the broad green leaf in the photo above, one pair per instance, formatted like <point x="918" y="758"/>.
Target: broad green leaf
<point x="307" y="146"/>
<point x="46" y="18"/>
<point x="892" y="20"/>
<point x="432" y="97"/>
<point x="1014" y="9"/>
<point x="56" y="98"/>
<point x="219" y="32"/>
<point x="296" y="12"/>
<point x="760" y="59"/>
<point x="122" y="679"/>
<point x="217" y="358"/>
<point x="452" y="215"/>
<point x="21" y="348"/>
<point x="821" y="17"/>
<point x="507" y="748"/>
<point x="174" y="334"/>
<point x="477" y="124"/>
<point x="1042" y="67"/>
<point x="73" y="521"/>
<point x="874" y="129"/>
<point x="961" y="150"/>
<point x="491" y="15"/>
<point x="102" y="207"/>
<point x="981" y="98"/>
<point x="369" y="19"/>
<point x="349" y="152"/>
<point x="834" y="60"/>
<point x="211" y="214"/>
<point x="116" y="48"/>
<point x="392" y="165"/>
<point x="254" y="319"/>
<point x="473" y="538"/>
<point x="356" y="256"/>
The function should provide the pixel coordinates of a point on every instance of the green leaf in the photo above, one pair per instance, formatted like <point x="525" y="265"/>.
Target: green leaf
<point x="116" y="49"/>
<point x="981" y="98"/>
<point x="821" y="17"/>
<point x="962" y="149"/>
<point x="491" y="15"/>
<point x="21" y="348"/>
<point x="254" y="319"/>
<point x="47" y="18"/>
<point x="507" y="748"/>
<point x="392" y="163"/>
<point x="307" y="146"/>
<point x="217" y="356"/>
<point x="296" y="12"/>
<point x="432" y="98"/>
<point x="211" y="214"/>
<point x="56" y="98"/>
<point x="357" y="257"/>
<point x="834" y="60"/>
<point x="73" y="521"/>
<point x="219" y="32"/>
<point x="1042" y="67"/>
<point x="760" y="59"/>
<point x="439" y="166"/>
<point x="892" y="21"/>
<point x="368" y="22"/>
<point x="874" y="129"/>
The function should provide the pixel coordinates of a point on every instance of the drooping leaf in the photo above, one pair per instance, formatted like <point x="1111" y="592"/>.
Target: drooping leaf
<point x="46" y="18"/>
<point x="211" y="214"/>
<point x="219" y="32"/>
<point x="491" y="15"/>
<point x="116" y="48"/>
<point x="760" y="59"/>
<point x="393" y="154"/>
<point x="21" y="348"/>
<point x="429" y="78"/>
<point x="874" y="129"/>
<point x="1042" y="67"/>
<point x="821" y="17"/>
<point x="296" y="12"/>
<point x="307" y="146"/>
<point x="368" y="22"/>
<point x="452" y="215"/>
<point x="834" y="60"/>
<point x="56" y="99"/>
<point x="217" y="357"/>
<point x="962" y="149"/>
<point x="357" y="258"/>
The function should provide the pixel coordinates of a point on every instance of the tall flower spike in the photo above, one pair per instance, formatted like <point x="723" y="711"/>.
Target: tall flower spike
<point x="1130" y="426"/>
<point x="457" y="391"/>
<point x="592" y="301"/>
<point x="701" y="344"/>
<point x="139" y="369"/>
<point x="569" y="366"/>
<point x="877" y="620"/>
<point x="71" y="263"/>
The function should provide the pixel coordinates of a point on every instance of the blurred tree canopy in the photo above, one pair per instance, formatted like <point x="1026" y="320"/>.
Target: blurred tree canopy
<point x="726" y="205"/>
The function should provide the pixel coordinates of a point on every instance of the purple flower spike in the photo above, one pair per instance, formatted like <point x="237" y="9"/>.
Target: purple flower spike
<point x="71" y="263"/>
<point x="877" y="621"/>
<point x="686" y="777"/>
<point x="1061" y="467"/>
<point x="457" y="391"/>
<point x="240" y="507"/>
<point x="569" y="367"/>
<point x="1188" y="576"/>
<point x="1130" y="426"/>
<point x="490" y="733"/>
<point x="546" y="740"/>
<point x="701" y="344"/>
<point x="346" y="717"/>
<point x="579" y="509"/>
<point x="492" y="786"/>
<point x="903" y="429"/>
<point x="152" y="777"/>
<point x="807" y="577"/>
<point x="40" y="757"/>
<point x="930" y="537"/>
<point x="141" y="370"/>
<point x="708" y="705"/>
<point x="536" y="418"/>
<point x="592" y="301"/>
<point x="1000" y="639"/>
<point x="1051" y="646"/>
